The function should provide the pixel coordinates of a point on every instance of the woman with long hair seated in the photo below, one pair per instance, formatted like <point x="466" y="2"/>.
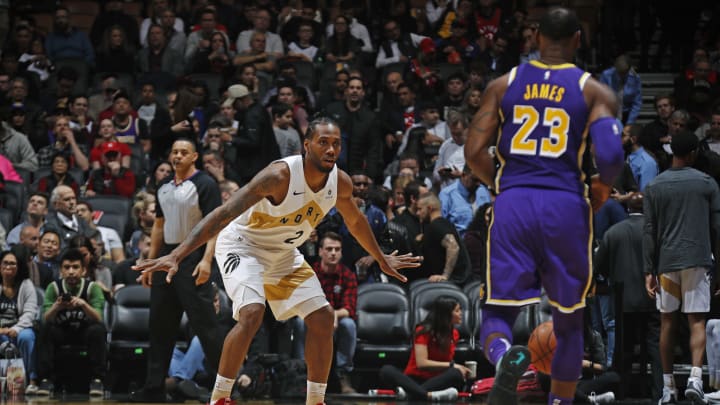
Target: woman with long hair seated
<point x="431" y="373"/>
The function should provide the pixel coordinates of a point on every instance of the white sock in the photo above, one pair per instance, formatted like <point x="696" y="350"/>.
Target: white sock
<point x="669" y="381"/>
<point x="696" y="372"/>
<point x="315" y="393"/>
<point x="448" y="394"/>
<point x="222" y="389"/>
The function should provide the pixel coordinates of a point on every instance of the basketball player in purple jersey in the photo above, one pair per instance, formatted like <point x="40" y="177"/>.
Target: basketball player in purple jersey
<point x="541" y="230"/>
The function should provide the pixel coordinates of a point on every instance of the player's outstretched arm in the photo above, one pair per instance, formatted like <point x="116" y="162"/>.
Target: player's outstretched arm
<point x="271" y="182"/>
<point x="360" y="229"/>
<point x="482" y="131"/>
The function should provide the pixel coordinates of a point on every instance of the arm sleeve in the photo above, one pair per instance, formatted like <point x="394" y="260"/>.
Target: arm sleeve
<point x="649" y="239"/>
<point x="609" y="155"/>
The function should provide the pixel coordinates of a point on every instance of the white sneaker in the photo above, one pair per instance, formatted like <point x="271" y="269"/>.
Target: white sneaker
<point x="669" y="396"/>
<point x="446" y="395"/>
<point x="604" y="398"/>
<point x="400" y="394"/>
<point x="694" y="391"/>
<point x="713" y="397"/>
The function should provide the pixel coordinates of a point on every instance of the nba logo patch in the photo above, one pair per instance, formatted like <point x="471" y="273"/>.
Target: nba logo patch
<point x="547" y="75"/>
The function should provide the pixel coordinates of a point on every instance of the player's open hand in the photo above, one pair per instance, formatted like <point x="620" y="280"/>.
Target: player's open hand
<point x="202" y="272"/>
<point x="164" y="263"/>
<point x="395" y="262"/>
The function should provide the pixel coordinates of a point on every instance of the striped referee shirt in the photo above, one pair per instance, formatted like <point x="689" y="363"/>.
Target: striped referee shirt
<point x="184" y="204"/>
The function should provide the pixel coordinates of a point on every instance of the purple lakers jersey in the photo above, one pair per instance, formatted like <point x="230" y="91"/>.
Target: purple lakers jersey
<point x="543" y="128"/>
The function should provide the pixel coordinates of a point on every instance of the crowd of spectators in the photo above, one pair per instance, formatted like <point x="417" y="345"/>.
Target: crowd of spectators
<point x="92" y="113"/>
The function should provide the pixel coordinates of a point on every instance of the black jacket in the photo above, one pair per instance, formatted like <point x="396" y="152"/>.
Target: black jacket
<point x="361" y="136"/>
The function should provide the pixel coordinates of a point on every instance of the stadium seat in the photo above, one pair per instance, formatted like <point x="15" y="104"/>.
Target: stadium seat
<point x="383" y="326"/>
<point x="110" y="204"/>
<point x="525" y="323"/>
<point x="127" y="323"/>
<point x="422" y="301"/>
<point x="418" y="287"/>
<point x="115" y="221"/>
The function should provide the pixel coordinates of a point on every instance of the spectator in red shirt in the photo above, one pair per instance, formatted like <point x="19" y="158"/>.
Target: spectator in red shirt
<point x="112" y="178"/>
<point x="340" y="286"/>
<point x="106" y="133"/>
<point x="431" y="374"/>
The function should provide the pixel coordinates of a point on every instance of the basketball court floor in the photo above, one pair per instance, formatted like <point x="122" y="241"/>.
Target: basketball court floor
<point x="331" y="400"/>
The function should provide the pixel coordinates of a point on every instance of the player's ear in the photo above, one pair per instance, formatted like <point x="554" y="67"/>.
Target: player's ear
<point x="576" y="38"/>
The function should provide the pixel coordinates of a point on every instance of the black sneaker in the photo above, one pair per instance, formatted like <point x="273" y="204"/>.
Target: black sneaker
<point x="190" y="389"/>
<point x="96" y="388"/>
<point x="45" y="388"/>
<point x="148" y="395"/>
<point x="511" y="367"/>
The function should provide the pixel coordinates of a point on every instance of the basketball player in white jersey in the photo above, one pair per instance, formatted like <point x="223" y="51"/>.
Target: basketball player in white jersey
<point x="259" y="229"/>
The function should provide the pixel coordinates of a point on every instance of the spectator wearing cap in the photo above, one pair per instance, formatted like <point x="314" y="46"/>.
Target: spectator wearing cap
<point x="423" y="68"/>
<point x="15" y="146"/>
<point x="255" y="140"/>
<point x="458" y="47"/>
<point x="112" y="178"/>
<point x="106" y="134"/>
<point x="157" y="57"/>
<point x="128" y="128"/>
<point x="64" y="143"/>
<point x="273" y="44"/>
<point x="34" y="125"/>
<point x="67" y="42"/>
<point x="58" y="175"/>
<point x="397" y="47"/>
<point x="682" y="224"/>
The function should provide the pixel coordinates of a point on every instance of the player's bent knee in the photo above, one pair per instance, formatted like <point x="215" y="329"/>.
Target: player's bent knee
<point x="321" y="319"/>
<point x="251" y="315"/>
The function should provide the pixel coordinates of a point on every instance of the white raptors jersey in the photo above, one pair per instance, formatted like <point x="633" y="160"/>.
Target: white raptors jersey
<point x="288" y="224"/>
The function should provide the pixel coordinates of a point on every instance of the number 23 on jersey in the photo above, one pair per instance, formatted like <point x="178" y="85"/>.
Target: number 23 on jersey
<point x="556" y="120"/>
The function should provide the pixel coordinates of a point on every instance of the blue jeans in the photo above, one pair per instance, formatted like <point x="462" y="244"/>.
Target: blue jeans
<point x="185" y="365"/>
<point x="25" y="341"/>
<point x="345" y="342"/>
<point x="603" y="318"/>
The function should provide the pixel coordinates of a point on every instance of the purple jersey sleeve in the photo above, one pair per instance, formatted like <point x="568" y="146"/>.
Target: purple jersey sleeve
<point x="609" y="156"/>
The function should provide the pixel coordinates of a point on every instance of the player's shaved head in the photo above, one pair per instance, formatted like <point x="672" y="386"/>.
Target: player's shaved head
<point x="559" y="23"/>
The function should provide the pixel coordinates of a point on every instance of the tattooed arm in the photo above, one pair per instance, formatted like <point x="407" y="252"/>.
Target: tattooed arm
<point x="272" y="182"/>
<point x="483" y="130"/>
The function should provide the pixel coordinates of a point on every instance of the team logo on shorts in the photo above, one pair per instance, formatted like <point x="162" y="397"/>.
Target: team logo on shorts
<point x="231" y="263"/>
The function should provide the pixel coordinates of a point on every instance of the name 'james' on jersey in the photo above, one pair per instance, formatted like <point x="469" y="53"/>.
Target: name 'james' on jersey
<point x="543" y="128"/>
